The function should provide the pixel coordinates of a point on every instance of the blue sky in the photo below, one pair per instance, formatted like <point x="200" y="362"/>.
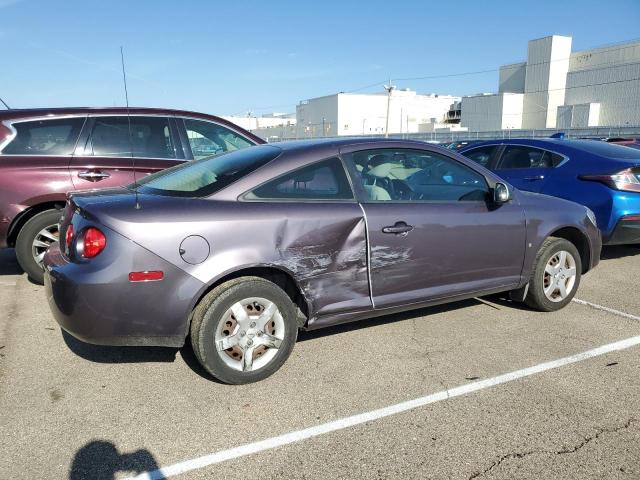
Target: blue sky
<point x="231" y="57"/>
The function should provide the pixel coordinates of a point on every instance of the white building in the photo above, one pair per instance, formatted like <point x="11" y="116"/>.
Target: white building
<point x="366" y="114"/>
<point x="250" y="122"/>
<point x="555" y="88"/>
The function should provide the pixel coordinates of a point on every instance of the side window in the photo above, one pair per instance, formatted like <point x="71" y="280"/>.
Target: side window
<point x="208" y="138"/>
<point x="324" y="180"/>
<point x="416" y="175"/>
<point x="45" y="137"/>
<point x="150" y="137"/>
<point x="481" y="155"/>
<point x="524" y="157"/>
<point x="556" y="159"/>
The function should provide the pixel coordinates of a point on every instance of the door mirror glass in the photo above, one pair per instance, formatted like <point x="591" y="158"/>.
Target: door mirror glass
<point x="501" y="193"/>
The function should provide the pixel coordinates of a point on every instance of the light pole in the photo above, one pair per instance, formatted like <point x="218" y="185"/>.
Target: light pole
<point x="389" y="88"/>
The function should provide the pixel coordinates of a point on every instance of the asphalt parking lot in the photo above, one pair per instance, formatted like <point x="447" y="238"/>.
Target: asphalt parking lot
<point x="71" y="410"/>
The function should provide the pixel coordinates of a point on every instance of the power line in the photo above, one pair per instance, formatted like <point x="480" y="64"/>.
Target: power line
<point x="600" y="66"/>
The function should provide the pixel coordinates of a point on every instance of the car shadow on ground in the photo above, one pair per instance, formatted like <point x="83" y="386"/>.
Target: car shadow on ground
<point x="107" y="354"/>
<point x="8" y="262"/>
<point x="304" y="336"/>
<point x="619" y="251"/>
<point x="100" y="460"/>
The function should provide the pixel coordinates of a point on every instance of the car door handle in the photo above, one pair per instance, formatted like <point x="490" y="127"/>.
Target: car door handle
<point x="400" y="228"/>
<point x="93" y="176"/>
<point x="535" y="178"/>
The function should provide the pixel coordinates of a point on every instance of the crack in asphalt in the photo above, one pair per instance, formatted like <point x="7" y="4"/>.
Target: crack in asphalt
<point x="426" y="354"/>
<point x="564" y="451"/>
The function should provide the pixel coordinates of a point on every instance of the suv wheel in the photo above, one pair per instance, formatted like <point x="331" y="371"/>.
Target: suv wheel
<point x="244" y="330"/>
<point x="556" y="275"/>
<point x="33" y="241"/>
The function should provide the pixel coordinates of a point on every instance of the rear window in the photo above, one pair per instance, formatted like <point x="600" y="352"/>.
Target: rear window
<point x="204" y="177"/>
<point x="45" y="137"/>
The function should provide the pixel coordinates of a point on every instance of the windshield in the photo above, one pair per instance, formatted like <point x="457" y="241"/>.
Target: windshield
<point x="204" y="177"/>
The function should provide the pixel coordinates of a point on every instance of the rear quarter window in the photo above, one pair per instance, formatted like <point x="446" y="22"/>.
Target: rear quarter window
<point x="45" y="137"/>
<point x="201" y="178"/>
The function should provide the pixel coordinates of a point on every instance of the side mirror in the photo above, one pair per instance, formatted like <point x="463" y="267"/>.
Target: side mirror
<point x="501" y="194"/>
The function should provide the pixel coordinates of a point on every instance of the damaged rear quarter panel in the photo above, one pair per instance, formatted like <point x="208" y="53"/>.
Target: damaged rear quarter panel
<point x="322" y="245"/>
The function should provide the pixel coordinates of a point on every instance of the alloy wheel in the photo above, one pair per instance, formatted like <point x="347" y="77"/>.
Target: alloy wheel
<point x="43" y="240"/>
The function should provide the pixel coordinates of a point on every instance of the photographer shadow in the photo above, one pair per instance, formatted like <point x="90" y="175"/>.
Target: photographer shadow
<point x="100" y="460"/>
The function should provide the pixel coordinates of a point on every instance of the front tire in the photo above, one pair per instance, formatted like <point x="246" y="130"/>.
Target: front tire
<point x="556" y="275"/>
<point x="34" y="239"/>
<point x="244" y="330"/>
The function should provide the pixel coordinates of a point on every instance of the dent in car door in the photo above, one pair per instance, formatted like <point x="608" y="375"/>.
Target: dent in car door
<point x="451" y="249"/>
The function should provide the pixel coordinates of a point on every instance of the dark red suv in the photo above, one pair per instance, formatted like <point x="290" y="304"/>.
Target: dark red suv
<point x="45" y="153"/>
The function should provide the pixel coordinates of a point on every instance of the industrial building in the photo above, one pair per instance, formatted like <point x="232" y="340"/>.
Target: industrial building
<point x="555" y="88"/>
<point x="366" y="114"/>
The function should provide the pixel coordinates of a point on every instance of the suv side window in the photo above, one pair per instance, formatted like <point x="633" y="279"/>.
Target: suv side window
<point x="45" y="137"/>
<point x="150" y="137"/>
<point x="325" y="180"/>
<point x="515" y="156"/>
<point x="481" y="155"/>
<point x="208" y="138"/>
<point x="416" y="176"/>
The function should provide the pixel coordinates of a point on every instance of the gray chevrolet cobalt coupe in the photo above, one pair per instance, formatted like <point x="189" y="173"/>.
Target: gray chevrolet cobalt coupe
<point x="240" y="251"/>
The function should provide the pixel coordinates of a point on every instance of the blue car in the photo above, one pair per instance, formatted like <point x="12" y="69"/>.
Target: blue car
<point x="602" y="176"/>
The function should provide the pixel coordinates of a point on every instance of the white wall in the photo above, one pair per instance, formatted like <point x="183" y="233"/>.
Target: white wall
<point x="512" y="78"/>
<point x="608" y="76"/>
<point x="315" y="114"/>
<point x="492" y="112"/>
<point x="252" y="123"/>
<point x="366" y="114"/>
<point x="546" y="76"/>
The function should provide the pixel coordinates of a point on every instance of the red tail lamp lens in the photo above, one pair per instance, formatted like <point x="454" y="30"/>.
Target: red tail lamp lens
<point x="68" y="236"/>
<point x="147" y="276"/>
<point x="94" y="242"/>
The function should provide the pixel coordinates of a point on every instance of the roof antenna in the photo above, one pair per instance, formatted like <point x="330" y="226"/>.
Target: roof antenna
<point x="5" y="104"/>
<point x="133" y="159"/>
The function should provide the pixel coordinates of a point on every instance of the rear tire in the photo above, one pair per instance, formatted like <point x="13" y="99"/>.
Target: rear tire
<point x="244" y="330"/>
<point x="33" y="240"/>
<point x="556" y="275"/>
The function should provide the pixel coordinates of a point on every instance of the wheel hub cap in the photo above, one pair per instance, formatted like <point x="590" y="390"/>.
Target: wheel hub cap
<point x="250" y="334"/>
<point x="559" y="276"/>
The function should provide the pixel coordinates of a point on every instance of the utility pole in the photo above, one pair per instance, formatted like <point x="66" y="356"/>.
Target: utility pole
<point x="389" y="88"/>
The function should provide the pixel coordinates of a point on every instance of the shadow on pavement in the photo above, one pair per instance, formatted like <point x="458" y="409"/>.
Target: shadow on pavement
<point x="619" y="251"/>
<point x="9" y="263"/>
<point x="100" y="460"/>
<point x="106" y="354"/>
<point x="383" y="320"/>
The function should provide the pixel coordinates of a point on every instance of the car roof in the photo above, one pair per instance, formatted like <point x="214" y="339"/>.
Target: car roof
<point x="593" y="148"/>
<point x="22" y="113"/>
<point x="337" y="142"/>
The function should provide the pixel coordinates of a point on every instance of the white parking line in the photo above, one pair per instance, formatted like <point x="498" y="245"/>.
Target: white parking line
<point x="299" y="435"/>
<point x="606" y="309"/>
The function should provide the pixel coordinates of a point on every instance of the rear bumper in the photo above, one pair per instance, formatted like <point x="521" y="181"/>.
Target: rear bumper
<point x="97" y="304"/>
<point x="626" y="231"/>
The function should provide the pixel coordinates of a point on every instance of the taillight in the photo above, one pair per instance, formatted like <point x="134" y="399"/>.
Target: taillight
<point x="68" y="236"/>
<point x="627" y="180"/>
<point x="93" y="242"/>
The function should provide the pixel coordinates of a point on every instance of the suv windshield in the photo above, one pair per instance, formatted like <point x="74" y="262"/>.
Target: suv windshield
<point x="201" y="178"/>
